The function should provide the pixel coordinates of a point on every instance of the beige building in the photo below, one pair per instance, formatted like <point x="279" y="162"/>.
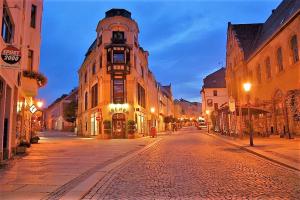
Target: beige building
<point x="184" y="109"/>
<point x="267" y="56"/>
<point x="19" y="77"/>
<point x="214" y="93"/>
<point x="116" y="86"/>
<point x="55" y="114"/>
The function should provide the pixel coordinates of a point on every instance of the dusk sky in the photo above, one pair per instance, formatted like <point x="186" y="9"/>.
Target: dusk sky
<point x="186" y="40"/>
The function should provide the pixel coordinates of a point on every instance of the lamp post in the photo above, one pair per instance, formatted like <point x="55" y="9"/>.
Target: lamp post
<point x="247" y="87"/>
<point x="207" y="114"/>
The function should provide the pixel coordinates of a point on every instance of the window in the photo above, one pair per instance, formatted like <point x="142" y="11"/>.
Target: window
<point x="7" y="26"/>
<point x="108" y="56"/>
<point x="279" y="59"/>
<point x="118" y="91"/>
<point x="100" y="61"/>
<point x="30" y="60"/>
<point x="141" y="96"/>
<point x="94" y="69"/>
<point x="85" y="101"/>
<point x="258" y="73"/>
<point x="118" y="37"/>
<point x="33" y="16"/>
<point x="119" y="57"/>
<point x="128" y="56"/>
<point x="95" y="95"/>
<point x="268" y="67"/>
<point x="294" y="47"/>
<point x="142" y="72"/>
<point x="215" y="93"/>
<point x="85" y="77"/>
<point x="216" y="106"/>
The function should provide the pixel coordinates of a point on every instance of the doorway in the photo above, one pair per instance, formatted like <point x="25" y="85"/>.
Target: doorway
<point x="118" y="125"/>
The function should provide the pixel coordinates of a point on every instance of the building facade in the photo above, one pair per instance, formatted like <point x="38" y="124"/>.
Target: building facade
<point x="116" y="86"/>
<point x="214" y="94"/>
<point x="19" y="70"/>
<point x="184" y="109"/>
<point x="55" y="116"/>
<point x="267" y="56"/>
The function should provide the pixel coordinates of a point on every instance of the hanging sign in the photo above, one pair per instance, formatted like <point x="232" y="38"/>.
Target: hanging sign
<point x="11" y="55"/>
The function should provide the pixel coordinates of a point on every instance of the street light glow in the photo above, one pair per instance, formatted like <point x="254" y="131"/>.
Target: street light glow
<point x="152" y="109"/>
<point x="39" y="104"/>
<point x="207" y="112"/>
<point x="247" y="86"/>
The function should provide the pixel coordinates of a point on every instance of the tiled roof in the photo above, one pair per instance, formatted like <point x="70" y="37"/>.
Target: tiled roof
<point x="246" y="34"/>
<point x="215" y="80"/>
<point x="253" y="36"/>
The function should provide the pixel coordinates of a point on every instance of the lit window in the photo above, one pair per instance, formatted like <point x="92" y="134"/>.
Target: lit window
<point x="118" y="91"/>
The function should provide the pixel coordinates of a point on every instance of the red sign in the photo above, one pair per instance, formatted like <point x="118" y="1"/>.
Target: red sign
<point x="98" y="118"/>
<point x="11" y="55"/>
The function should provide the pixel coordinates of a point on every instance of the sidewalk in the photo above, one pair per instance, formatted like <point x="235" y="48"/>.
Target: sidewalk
<point x="58" y="164"/>
<point x="280" y="150"/>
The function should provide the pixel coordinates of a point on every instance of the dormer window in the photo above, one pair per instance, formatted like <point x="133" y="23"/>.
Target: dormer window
<point x="118" y="37"/>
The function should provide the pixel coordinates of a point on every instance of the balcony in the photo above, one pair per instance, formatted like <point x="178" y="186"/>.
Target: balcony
<point x="118" y="68"/>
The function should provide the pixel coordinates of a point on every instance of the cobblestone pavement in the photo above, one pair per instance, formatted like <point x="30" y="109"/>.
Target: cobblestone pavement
<point x="197" y="166"/>
<point x="60" y="162"/>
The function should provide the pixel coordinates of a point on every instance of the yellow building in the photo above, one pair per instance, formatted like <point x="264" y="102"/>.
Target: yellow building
<point x="116" y="87"/>
<point x="267" y="56"/>
<point x="184" y="109"/>
<point x="19" y="66"/>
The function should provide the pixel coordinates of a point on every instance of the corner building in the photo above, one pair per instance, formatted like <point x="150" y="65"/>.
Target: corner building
<point x="115" y="83"/>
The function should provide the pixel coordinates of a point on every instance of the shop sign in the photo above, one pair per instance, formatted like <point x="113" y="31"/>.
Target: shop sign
<point x="11" y="55"/>
<point x="118" y="108"/>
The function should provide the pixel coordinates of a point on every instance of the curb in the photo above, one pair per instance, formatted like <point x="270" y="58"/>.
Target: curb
<point x="255" y="152"/>
<point x="82" y="189"/>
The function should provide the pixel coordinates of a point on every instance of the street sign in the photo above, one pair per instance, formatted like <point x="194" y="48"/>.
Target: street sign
<point x="231" y="104"/>
<point x="11" y="55"/>
<point x="32" y="109"/>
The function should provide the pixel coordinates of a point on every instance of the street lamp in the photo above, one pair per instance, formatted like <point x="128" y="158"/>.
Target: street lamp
<point x="39" y="104"/>
<point x="207" y="114"/>
<point x="247" y="87"/>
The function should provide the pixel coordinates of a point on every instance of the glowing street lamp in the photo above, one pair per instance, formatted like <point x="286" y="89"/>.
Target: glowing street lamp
<point x="39" y="104"/>
<point x="247" y="88"/>
<point x="152" y="109"/>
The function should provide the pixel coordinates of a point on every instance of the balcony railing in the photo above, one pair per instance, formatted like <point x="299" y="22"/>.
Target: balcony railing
<point x="123" y="68"/>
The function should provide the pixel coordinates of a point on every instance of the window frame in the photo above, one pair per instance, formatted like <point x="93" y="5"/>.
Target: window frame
<point x="33" y="14"/>
<point x="7" y="25"/>
<point x="294" y="48"/>
<point x="279" y="57"/>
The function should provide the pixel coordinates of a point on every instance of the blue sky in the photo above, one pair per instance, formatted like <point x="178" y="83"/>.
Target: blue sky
<point x="186" y="39"/>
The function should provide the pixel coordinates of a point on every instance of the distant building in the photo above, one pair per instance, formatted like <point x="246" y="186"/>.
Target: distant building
<point x="184" y="109"/>
<point x="19" y="82"/>
<point x="267" y="56"/>
<point x="214" y="93"/>
<point x="116" y="86"/>
<point x="54" y="115"/>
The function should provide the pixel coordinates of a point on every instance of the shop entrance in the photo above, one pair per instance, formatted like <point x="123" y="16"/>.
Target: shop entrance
<point x="118" y="125"/>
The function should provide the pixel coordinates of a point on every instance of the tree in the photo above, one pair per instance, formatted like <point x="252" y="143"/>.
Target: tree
<point x="70" y="111"/>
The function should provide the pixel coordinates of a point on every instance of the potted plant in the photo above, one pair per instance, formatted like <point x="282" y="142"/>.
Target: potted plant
<point x="107" y="129"/>
<point x="34" y="139"/>
<point x="131" y="129"/>
<point x="21" y="148"/>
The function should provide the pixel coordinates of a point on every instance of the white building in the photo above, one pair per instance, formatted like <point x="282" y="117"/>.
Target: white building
<point x="214" y="93"/>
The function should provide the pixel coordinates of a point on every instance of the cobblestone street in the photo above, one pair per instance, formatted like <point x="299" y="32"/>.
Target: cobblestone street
<point x="194" y="165"/>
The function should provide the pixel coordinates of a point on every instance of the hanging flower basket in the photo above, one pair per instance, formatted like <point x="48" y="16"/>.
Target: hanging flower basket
<point x="40" y="78"/>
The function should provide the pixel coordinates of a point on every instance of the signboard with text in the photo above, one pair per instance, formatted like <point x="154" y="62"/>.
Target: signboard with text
<point x="11" y="56"/>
